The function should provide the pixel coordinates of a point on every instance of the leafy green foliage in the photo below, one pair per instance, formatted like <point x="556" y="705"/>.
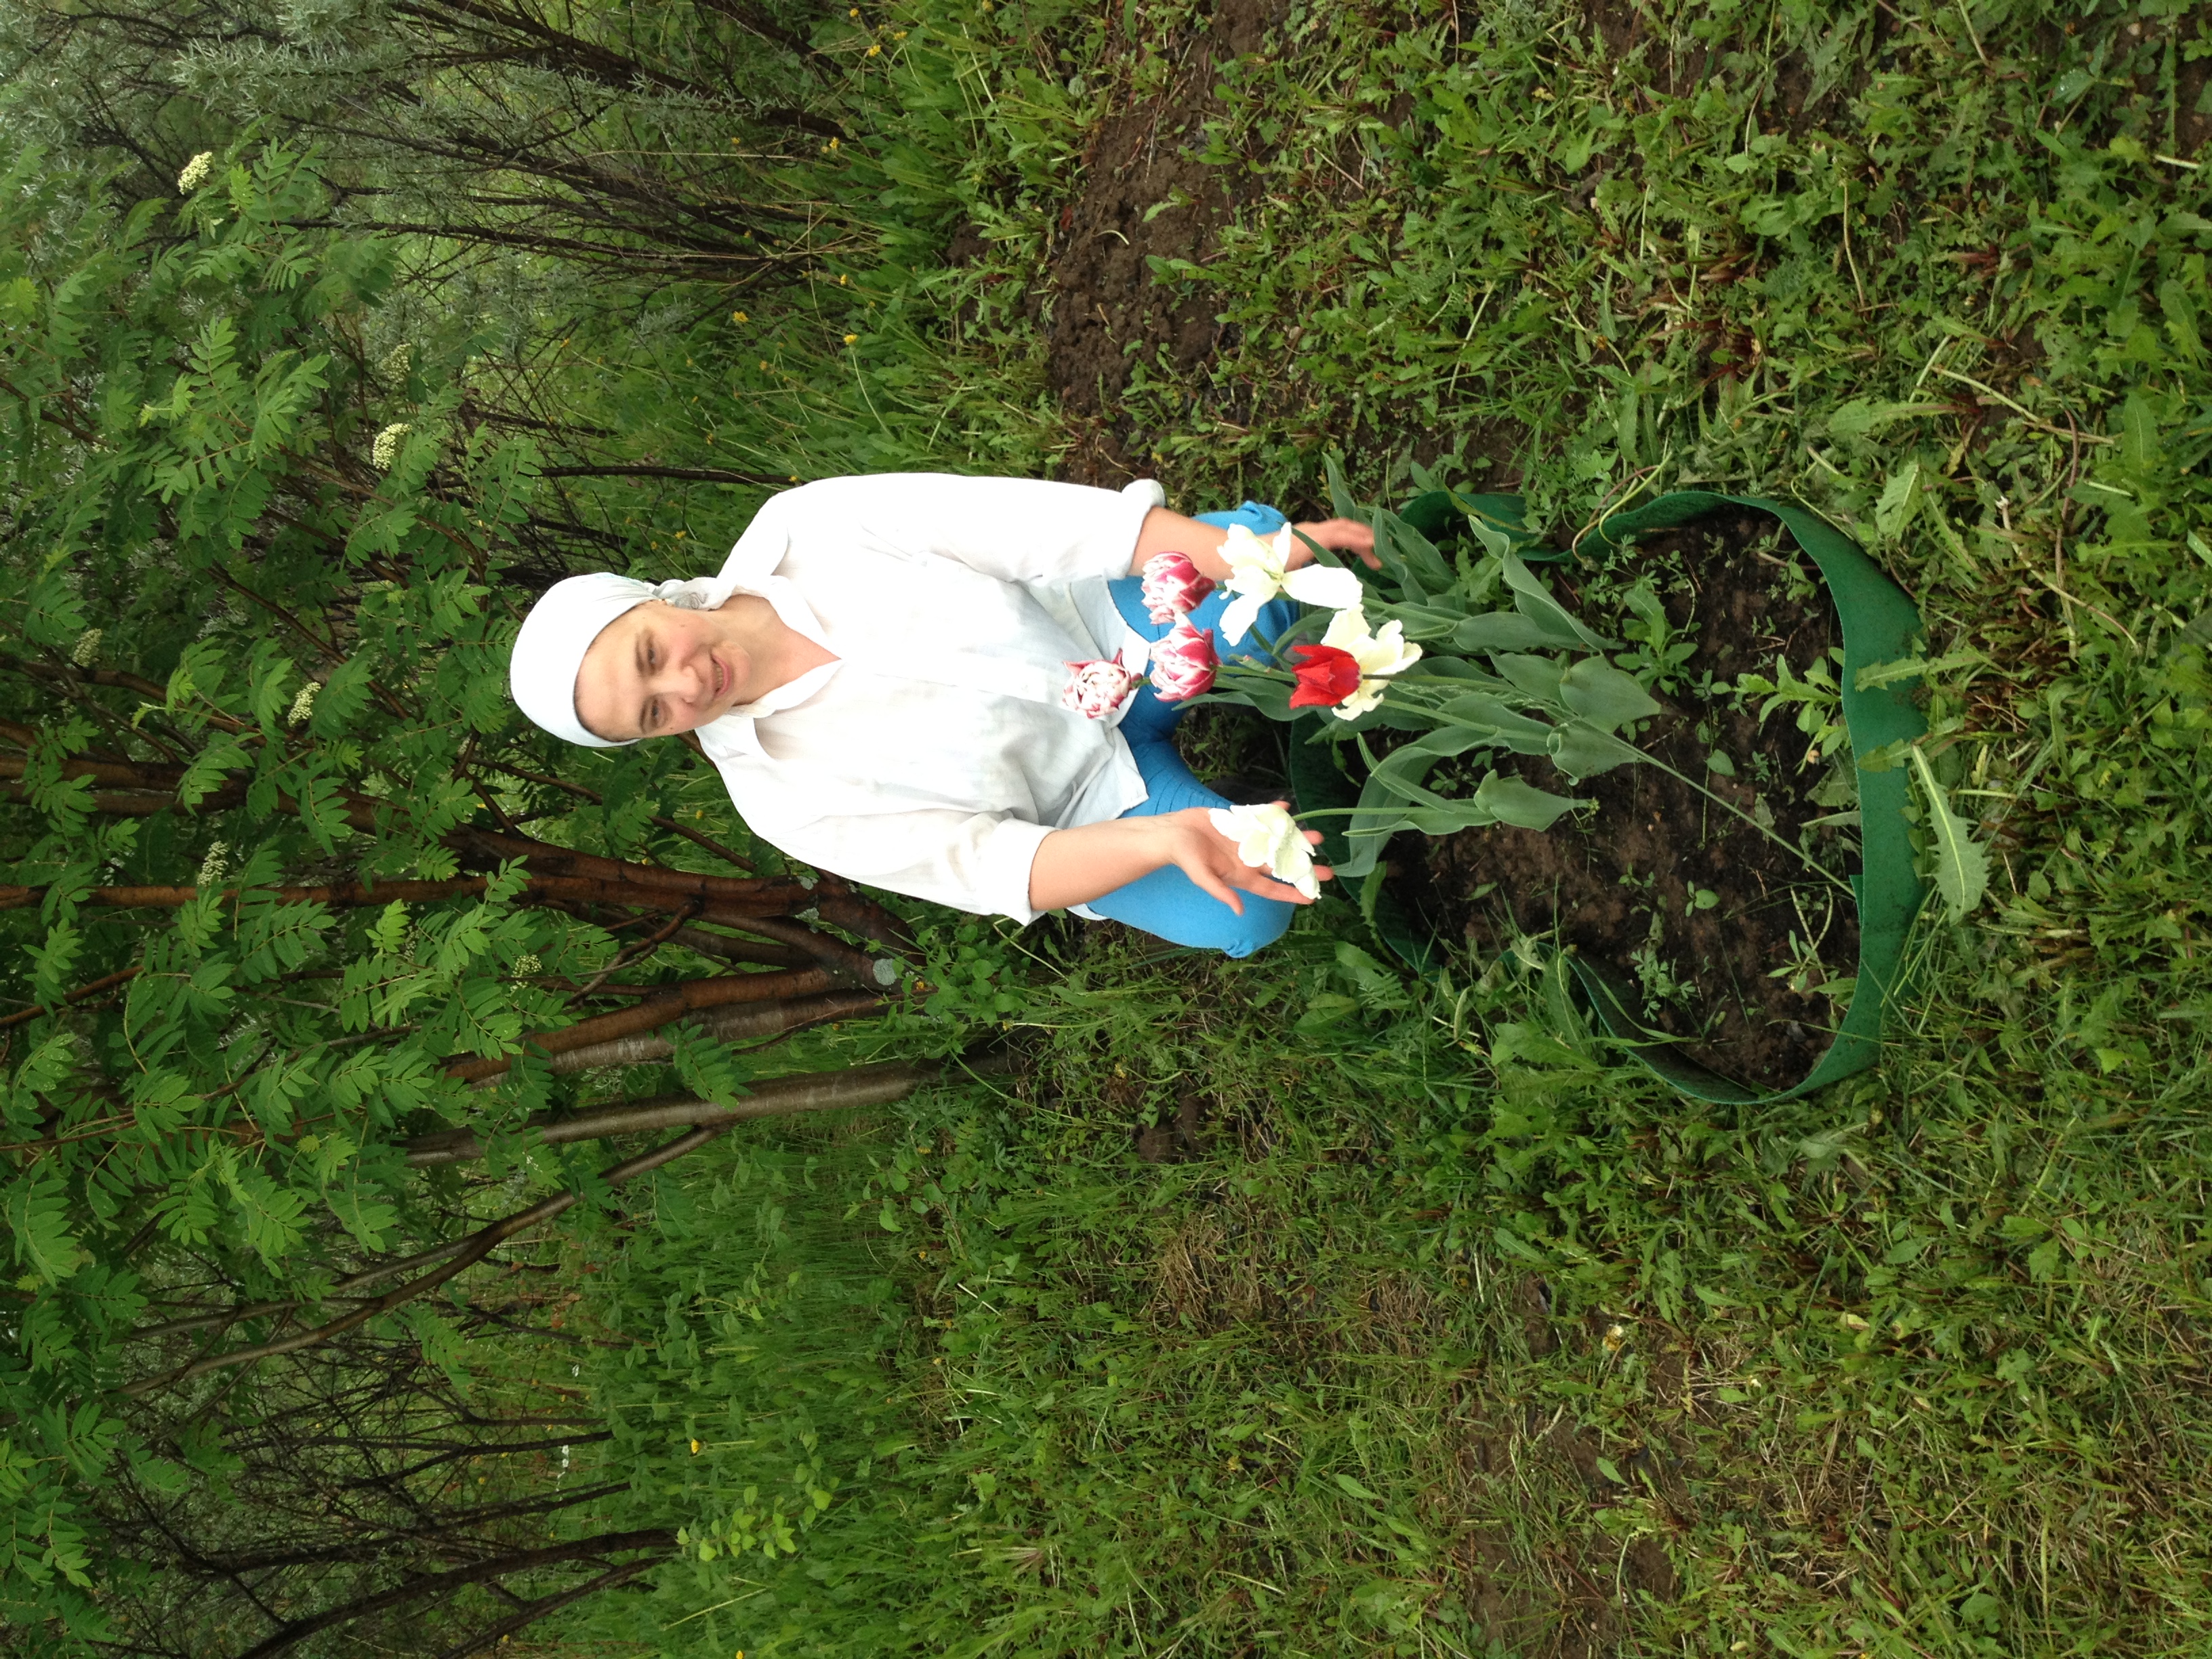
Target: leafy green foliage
<point x="283" y="655"/>
<point x="1962" y="864"/>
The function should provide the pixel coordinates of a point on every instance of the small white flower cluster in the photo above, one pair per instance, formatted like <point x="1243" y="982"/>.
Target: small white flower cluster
<point x="196" y="173"/>
<point x="526" y="965"/>
<point x="86" y="647"/>
<point x="399" y="361"/>
<point x="216" y="861"/>
<point x="304" y="704"/>
<point x="385" y="449"/>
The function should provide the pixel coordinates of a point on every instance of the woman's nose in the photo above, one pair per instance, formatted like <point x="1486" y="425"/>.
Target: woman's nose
<point x="684" y="678"/>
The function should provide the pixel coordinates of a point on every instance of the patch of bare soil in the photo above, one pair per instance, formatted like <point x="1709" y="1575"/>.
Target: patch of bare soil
<point x="1674" y="895"/>
<point x="1144" y="195"/>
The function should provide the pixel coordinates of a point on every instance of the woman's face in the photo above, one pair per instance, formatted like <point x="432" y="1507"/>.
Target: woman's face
<point x="657" y="670"/>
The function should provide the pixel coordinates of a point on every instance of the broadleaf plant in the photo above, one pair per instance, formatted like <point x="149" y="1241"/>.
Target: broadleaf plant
<point x="1962" y="864"/>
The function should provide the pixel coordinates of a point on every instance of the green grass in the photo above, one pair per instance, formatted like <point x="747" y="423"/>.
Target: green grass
<point x="1450" y="1335"/>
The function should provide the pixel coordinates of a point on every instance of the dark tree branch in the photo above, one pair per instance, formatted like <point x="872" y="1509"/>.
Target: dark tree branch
<point x="375" y="1547"/>
<point x="666" y="1004"/>
<point x="783" y="1097"/>
<point x="532" y="1612"/>
<point x="440" y="1584"/>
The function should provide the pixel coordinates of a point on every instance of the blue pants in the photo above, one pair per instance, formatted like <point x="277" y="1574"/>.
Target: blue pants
<point x="1167" y="903"/>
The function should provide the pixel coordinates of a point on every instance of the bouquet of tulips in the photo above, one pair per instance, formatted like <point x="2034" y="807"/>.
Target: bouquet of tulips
<point x="1473" y="655"/>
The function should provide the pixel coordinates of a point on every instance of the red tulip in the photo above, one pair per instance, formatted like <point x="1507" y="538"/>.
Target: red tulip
<point x="1325" y="675"/>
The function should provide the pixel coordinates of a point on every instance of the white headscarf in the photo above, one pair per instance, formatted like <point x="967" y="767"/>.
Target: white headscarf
<point x="549" y="650"/>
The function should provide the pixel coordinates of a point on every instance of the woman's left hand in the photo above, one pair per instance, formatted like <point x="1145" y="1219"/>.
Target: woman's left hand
<point x="1339" y="536"/>
<point x="1164" y="532"/>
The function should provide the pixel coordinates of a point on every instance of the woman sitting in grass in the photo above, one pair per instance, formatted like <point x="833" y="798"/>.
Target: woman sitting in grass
<point x="924" y="682"/>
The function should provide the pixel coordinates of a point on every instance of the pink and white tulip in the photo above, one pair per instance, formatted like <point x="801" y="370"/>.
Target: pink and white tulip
<point x="1173" y="586"/>
<point x="1095" y="689"/>
<point x="1183" y="663"/>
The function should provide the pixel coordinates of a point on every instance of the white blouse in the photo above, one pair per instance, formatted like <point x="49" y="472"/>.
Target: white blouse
<point x="932" y="757"/>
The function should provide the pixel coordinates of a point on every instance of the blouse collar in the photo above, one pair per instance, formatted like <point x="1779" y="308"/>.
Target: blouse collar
<point x="751" y="569"/>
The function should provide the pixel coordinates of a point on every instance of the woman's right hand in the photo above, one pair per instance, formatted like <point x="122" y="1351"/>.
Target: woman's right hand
<point x="1074" y="866"/>
<point x="1210" y="858"/>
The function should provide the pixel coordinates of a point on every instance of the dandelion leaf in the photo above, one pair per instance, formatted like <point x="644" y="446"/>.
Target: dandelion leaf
<point x="1962" y="864"/>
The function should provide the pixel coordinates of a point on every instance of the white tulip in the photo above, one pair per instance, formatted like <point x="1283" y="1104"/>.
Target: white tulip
<point x="1259" y="571"/>
<point x="1268" y="838"/>
<point x="1379" y="656"/>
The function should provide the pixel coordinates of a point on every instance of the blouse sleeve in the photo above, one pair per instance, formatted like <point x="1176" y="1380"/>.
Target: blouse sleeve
<point x="973" y="861"/>
<point x="1017" y="530"/>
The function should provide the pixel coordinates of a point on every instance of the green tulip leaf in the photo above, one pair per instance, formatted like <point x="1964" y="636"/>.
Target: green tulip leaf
<point x="1533" y="600"/>
<point x="1523" y="805"/>
<point x="1423" y="563"/>
<point x="1604" y="695"/>
<point x="1583" y="751"/>
<point x="1509" y="630"/>
<point x="1457" y="669"/>
<point x="1479" y="713"/>
<point x="1535" y="677"/>
<point x="1437" y="620"/>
